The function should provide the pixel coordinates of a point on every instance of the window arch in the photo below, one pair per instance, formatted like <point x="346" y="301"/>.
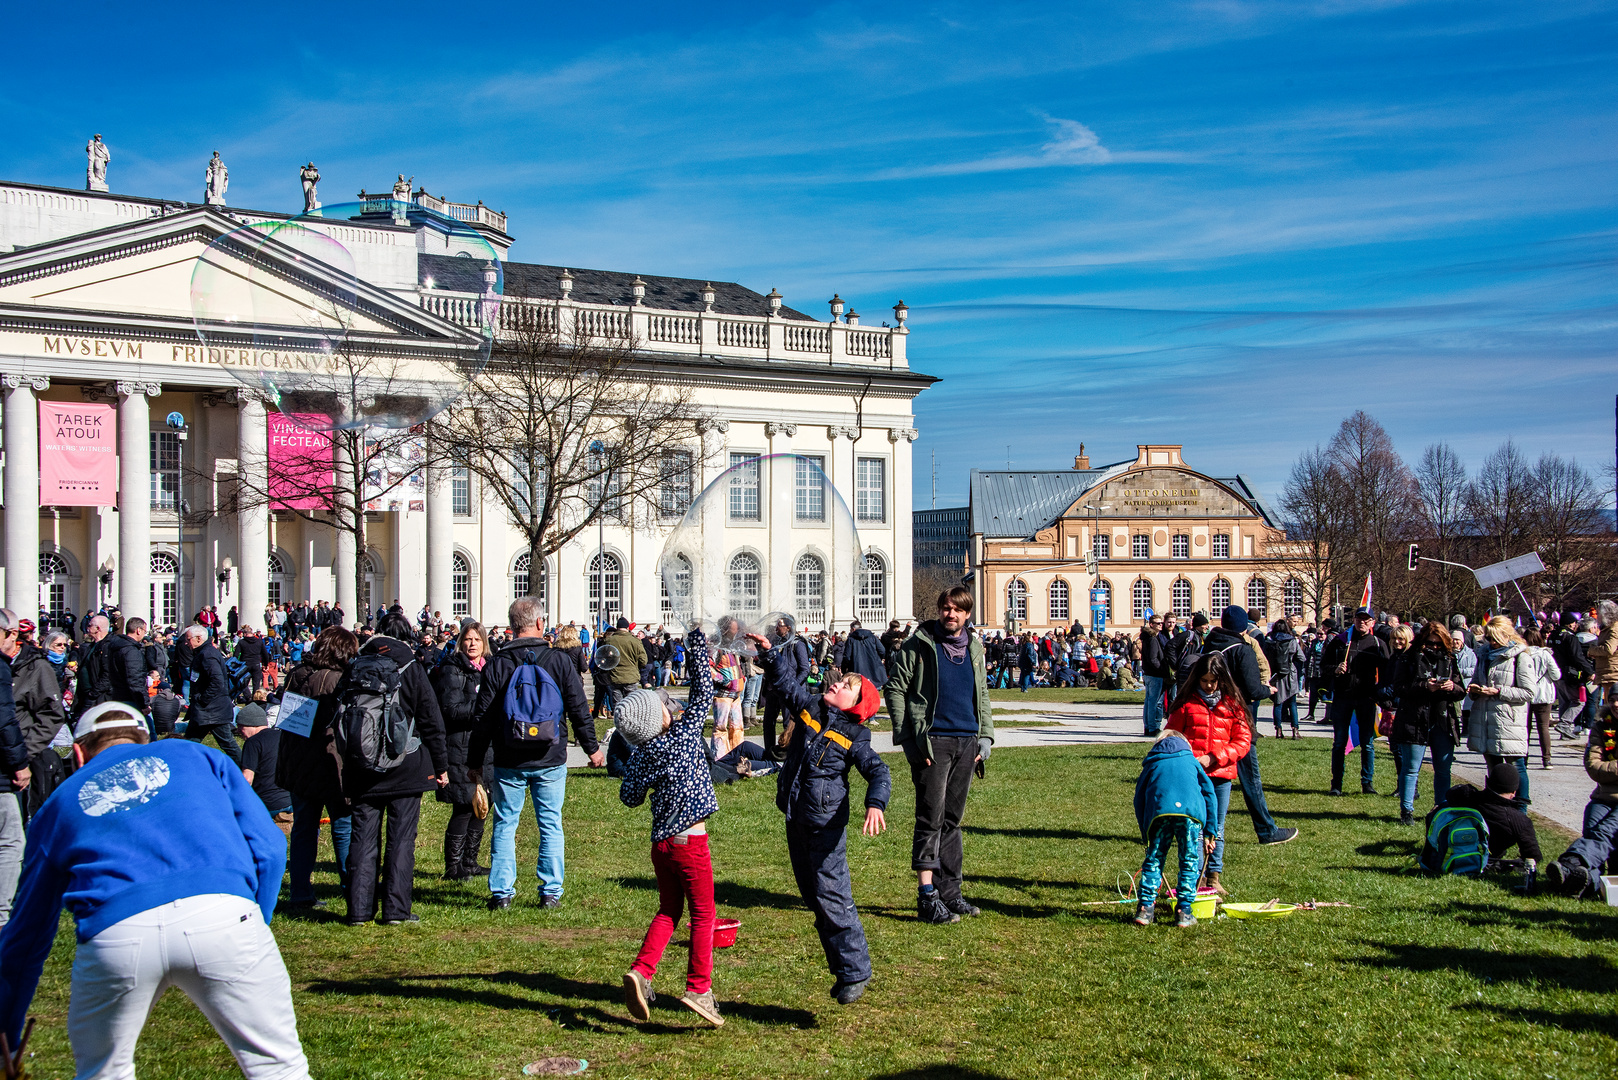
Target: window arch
<point x="1180" y="597"/>
<point x="50" y="563"/>
<point x="1059" y="601"/>
<point x="460" y="585"/>
<point x="1017" y="600"/>
<point x="280" y="579"/>
<point x="370" y="585"/>
<point x="58" y="584"/>
<point x="809" y="590"/>
<point x="675" y="572"/>
<point x="164" y="591"/>
<point x="744" y="582"/>
<point x="1291" y="597"/>
<point x="1140" y="599"/>
<point x="1218" y="595"/>
<point x="1258" y="596"/>
<point x="873" y="592"/>
<point x="611" y="579"/>
<point x="522" y="579"/>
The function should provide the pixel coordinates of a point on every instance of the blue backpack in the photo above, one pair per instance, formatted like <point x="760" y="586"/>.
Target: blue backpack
<point x="1457" y="842"/>
<point x="241" y="680"/>
<point x="533" y="705"/>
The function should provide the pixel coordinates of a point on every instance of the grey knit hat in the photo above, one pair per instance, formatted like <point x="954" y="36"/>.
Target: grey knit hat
<point x="639" y="716"/>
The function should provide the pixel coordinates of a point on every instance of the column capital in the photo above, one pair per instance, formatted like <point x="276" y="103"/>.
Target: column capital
<point x="837" y="431"/>
<point x="16" y="380"/>
<point x="133" y="389"/>
<point x="713" y="424"/>
<point x="772" y="429"/>
<point x="909" y="434"/>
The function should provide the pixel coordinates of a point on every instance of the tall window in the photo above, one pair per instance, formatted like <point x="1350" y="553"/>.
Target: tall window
<point x="1101" y="546"/>
<point x="612" y="501"/>
<point x="744" y="487"/>
<point x="1017" y="600"/>
<point x="165" y="454"/>
<point x="1140" y="547"/>
<point x="873" y="596"/>
<point x="1218" y="595"/>
<point x="1180" y="596"/>
<point x="676" y="574"/>
<point x="1258" y="596"/>
<point x="1140" y="598"/>
<point x="53" y="582"/>
<point x="1221" y="545"/>
<point x="809" y="590"/>
<point x="276" y="572"/>
<point x="1105" y="589"/>
<point x="460" y="586"/>
<point x="460" y="490"/>
<point x="612" y="580"/>
<point x="1059" y="601"/>
<point x="674" y="483"/>
<point x="522" y="578"/>
<point x="809" y="489"/>
<point x="165" y="590"/>
<point x="1181" y="546"/>
<point x="744" y="595"/>
<point x="871" y="489"/>
<point x="1291" y="597"/>
<point x="522" y="490"/>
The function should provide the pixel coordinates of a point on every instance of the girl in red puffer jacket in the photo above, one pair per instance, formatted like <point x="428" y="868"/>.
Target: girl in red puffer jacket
<point x="1212" y="715"/>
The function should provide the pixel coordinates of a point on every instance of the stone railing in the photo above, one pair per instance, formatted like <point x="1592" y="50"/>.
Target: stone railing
<point x="758" y="337"/>
<point x="471" y="213"/>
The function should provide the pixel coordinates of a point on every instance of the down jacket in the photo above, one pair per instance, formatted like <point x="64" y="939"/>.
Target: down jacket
<point x="1603" y="654"/>
<point x="456" y="683"/>
<point x="1422" y="711"/>
<point x="1499" y="724"/>
<point x="1601" y="761"/>
<point x="1221" y="732"/>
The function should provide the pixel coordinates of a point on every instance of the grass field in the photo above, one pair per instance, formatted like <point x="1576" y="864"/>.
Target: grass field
<point x="1451" y="978"/>
<point x="1072" y="695"/>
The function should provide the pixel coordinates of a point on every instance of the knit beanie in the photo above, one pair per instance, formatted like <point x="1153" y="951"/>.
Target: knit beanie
<point x="252" y="715"/>
<point x="1504" y="778"/>
<point x="870" y="701"/>
<point x="1234" y="619"/>
<point x="639" y="716"/>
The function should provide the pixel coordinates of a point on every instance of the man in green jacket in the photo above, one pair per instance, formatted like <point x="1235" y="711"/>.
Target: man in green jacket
<point x="938" y="699"/>
<point x="631" y="659"/>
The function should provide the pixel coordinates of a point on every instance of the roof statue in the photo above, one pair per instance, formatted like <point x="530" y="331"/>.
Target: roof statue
<point x="95" y="176"/>
<point x="217" y="179"/>
<point x="310" y="177"/>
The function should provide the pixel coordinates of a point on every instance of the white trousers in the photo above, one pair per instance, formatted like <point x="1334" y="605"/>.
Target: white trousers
<point x="218" y="951"/>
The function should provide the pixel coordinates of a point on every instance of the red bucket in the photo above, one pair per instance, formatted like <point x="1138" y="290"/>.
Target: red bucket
<point x="724" y="933"/>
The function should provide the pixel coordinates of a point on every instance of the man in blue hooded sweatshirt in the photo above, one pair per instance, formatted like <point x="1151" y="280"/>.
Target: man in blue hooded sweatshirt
<point x="170" y="865"/>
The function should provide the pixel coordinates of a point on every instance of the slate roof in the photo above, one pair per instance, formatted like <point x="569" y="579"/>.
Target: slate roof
<point x="460" y="274"/>
<point x="1019" y="504"/>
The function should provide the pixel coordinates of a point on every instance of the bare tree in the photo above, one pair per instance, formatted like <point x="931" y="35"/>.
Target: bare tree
<point x="1314" y="503"/>
<point x="1565" y="512"/>
<point x="1382" y="507"/>
<point x="565" y="429"/>
<point x="1441" y="487"/>
<point x="1500" y="503"/>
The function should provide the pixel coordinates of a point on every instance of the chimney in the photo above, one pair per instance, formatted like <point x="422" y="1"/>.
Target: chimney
<point x="1081" y="460"/>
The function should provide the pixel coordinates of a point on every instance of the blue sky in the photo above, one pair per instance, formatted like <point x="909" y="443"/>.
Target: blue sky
<point x="1226" y="224"/>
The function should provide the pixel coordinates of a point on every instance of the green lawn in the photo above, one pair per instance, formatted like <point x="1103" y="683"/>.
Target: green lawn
<point x="1450" y="978"/>
<point x="1072" y="696"/>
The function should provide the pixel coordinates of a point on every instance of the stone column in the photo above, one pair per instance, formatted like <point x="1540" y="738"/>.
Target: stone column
<point x="253" y="511"/>
<point x="840" y="470"/>
<point x="342" y="563"/>
<point x="440" y="554"/>
<point x="22" y="492"/>
<point x="780" y="487"/>
<point x="134" y="573"/>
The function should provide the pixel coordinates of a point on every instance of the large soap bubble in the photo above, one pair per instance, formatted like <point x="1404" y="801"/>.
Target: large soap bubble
<point x="771" y="537"/>
<point x="300" y="311"/>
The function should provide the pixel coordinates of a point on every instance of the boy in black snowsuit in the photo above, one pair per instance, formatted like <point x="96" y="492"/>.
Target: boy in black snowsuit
<point x="826" y="737"/>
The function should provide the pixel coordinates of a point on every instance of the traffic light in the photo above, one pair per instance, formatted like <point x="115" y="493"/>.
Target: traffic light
<point x="1415" y="555"/>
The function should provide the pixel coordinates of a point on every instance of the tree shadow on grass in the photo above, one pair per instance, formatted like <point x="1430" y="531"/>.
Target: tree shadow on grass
<point x="1049" y="834"/>
<point x="1582" y="1023"/>
<point x="1587" y="925"/>
<point x="939" y="1072"/>
<point x="539" y="985"/>
<point x="726" y="894"/>
<point x="1590" y="973"/>
<point x="1386" y="848"/>
<point x="1021" y="882"/>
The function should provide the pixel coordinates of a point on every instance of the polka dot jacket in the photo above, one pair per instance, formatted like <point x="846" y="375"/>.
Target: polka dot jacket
<point x="674" y="766"/>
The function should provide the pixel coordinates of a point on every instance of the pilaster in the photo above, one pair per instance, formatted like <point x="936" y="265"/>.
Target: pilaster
<point x="133" y="576"/>
<point x="22" y="491"/>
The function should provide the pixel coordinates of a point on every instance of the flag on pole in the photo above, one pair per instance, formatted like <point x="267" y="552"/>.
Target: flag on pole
<point x="1365" y="599"/>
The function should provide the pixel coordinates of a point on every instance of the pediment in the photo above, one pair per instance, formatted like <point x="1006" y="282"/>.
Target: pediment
<point x="1159" y="491"/>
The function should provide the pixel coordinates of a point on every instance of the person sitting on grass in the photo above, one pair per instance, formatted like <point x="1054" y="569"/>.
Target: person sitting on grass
<point x="1212" y="715"/>
<point x="671" y="762"/>
<point x="1509" y="825"/>
<point x="1575" y="871"/>
<point x="829" y="738"/>
<point x="1174" y="801"/>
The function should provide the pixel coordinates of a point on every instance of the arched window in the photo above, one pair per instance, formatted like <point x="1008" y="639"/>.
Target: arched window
<point x="371" y="584"/>
<point x="56" y="583"/>
<point x="809" y="590"/>
<point x="1060" y="609"/>
<point x="612" y="579"/>
<point x="1180" y="596"/>
<point x="1017" y="600"/>
<point x="1258" y="596"/>
<point x="460" y="585"/>
<point x="277" y="579"/>
<point x="1218" y="596"/>
<point x="522" y="579"/>
<point x="1291" y="597"/>
<point x="1140" y="599"/>
<point x="675" y="587"/>
<point x="1105" y="589"/>
<point x="873" y="595"/>
<point x="51" y="564"/>
<point x="744" y="595"/>
<point x="165" y="591"/>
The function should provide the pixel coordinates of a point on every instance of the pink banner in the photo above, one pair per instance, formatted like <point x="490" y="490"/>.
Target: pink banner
<point x="300" y="461"/>
<point x="78" y="454"/>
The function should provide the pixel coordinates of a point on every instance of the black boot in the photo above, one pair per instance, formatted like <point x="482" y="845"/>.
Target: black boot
<point x="454" y="845"/>
<point x="469" y="854"/>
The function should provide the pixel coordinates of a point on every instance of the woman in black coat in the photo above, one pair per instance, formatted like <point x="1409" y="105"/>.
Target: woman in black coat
<point x="1427" y="683"/>
<point x="456" y="682"/>
<point x="310" y="770"/>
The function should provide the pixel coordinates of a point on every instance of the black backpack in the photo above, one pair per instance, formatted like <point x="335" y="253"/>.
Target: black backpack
<point x="373" y="730"/>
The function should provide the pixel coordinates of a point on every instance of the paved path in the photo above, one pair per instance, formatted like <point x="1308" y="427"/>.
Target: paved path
<point x="1559" y="794"/>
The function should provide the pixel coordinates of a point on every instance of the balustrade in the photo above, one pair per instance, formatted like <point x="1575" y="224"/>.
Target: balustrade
<point x="810" y="338"/>
<point x="676" y="329"/>
<point x="744" y="335"/>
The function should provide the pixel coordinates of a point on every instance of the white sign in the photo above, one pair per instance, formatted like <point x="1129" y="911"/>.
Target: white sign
<point x="297" y="714"/>
<point x="1501" y="572"/>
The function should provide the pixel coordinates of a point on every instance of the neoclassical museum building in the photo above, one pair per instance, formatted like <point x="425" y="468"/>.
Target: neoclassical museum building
<point x="1148" y="533"/>
<point x="96" y="309"/>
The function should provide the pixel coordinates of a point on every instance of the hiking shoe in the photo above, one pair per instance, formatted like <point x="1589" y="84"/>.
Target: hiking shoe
<point x="1407" y="818"/>
<point x="1367" y="789"/>
<point x="961" y="907"/>
<point x="638" y="996"/>
<point x="1184" y="918"/>
<point x="355" y="923"/>
<point x="1145" y="914"/>
<point x="550" y="900"/>
<point x="930" y="908"/>
<point x="408" y="920"/>
<point x="1336" y="793"/>
<point x="499" y="903"/>
<point x="1568" y="880"/>
<point x="849" y="993"/>
<point x="704" y="1006"/>
<point x="1279" y="836"/>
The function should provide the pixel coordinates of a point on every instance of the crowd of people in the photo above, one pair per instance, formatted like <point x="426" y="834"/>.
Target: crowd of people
<point x="319" y="724"/>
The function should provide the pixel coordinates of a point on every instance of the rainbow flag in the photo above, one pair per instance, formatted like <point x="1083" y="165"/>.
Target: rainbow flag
<point x="1365" y="598"/>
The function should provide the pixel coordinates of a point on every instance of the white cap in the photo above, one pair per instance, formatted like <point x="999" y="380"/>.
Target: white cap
<point x="107" y="716"/>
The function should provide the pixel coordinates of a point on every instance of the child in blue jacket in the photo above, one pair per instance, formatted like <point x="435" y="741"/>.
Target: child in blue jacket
<point x="826" y="737"/>
<point x="1174" y="801"/>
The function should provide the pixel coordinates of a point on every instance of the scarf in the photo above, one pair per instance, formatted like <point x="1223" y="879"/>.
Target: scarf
<point x="955" y="647"/>
<point x="1211" y="700"/>
<point x="53" y="658"/>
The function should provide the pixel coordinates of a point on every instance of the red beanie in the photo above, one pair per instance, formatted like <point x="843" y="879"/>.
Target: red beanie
<point x="870" y="700"/>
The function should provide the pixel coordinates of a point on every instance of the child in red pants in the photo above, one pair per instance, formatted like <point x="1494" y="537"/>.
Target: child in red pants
<point x="670" y="761"/>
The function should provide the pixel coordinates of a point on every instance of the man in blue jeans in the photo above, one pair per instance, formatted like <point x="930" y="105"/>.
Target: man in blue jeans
<point x="1359" y="664"/>
<point x="537" y="769"/>
<point x="1154" y="670"/>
